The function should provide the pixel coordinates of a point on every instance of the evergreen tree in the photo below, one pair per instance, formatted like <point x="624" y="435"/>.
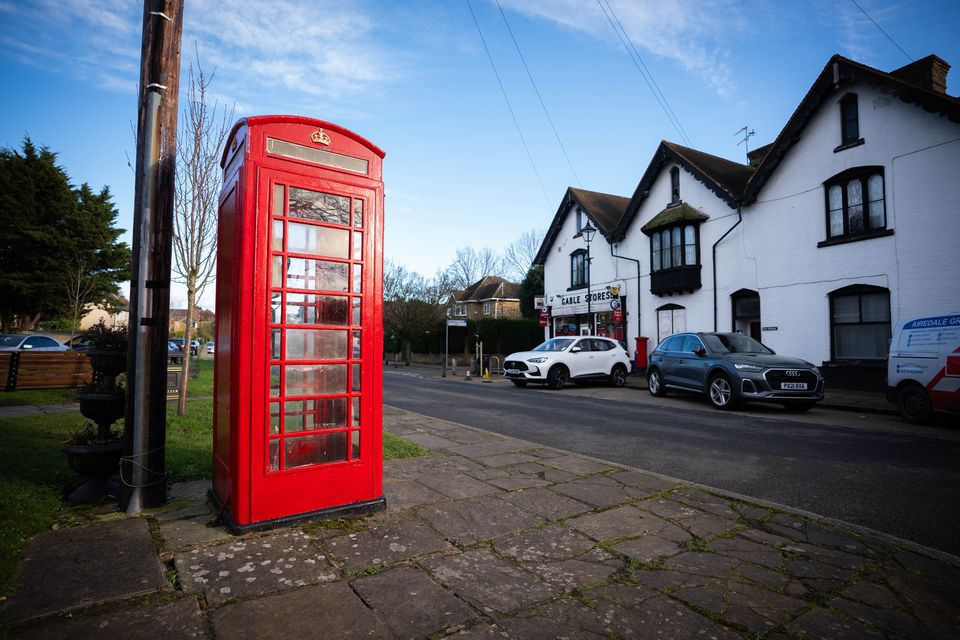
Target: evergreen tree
<point x="59" y="248"/>
<point x="531" y="286"/>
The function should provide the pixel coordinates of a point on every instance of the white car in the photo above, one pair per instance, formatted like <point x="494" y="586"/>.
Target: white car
<point x="211" y="347"/>
<point x="575" y="358"/>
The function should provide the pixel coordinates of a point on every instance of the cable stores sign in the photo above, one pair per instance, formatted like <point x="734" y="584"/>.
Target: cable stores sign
<point x="574" y="302"/>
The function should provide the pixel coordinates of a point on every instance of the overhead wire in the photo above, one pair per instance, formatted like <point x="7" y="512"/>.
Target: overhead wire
<point x="863" y="11"/>
<point x="509" y="106"/>
<point x="643" y="70"/>
<point x="539" y="96"/>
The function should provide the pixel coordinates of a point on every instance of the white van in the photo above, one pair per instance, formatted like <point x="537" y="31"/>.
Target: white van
<point x="923" y="368"/>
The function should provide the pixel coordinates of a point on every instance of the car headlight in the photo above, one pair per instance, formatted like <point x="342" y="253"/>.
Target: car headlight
<point x="747" y="367"/>
<point x="538" y="360"/>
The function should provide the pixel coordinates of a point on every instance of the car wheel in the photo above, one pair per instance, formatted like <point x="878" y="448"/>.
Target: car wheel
<point x="914" y="404"/>
<point x="618" y="377"/>
<point x="721" y="392"/>
<point x="519" y="383"/>
<point x="798" y="407"/>
<point x="655" y="383"/>
<point x="557" y="378"/>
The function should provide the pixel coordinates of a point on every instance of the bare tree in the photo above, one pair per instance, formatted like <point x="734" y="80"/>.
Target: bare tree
<point x="470" y="265"/>
<point x="79" y="288"/>
<point x="203" y="131"/>
<point x="519" y="255"/>
<point x="410" y="304"/>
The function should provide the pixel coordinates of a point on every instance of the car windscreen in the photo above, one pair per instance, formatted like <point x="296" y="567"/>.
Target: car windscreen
<point x="556" y="344"/>
<point x="10" y="341"/>
<point x="733" y="343"/>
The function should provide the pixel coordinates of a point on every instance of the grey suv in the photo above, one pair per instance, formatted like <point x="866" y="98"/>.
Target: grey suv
<point x="731" y="367"/>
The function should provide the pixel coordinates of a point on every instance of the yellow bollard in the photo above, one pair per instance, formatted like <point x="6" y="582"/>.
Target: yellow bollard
<point x="486" y="375"/>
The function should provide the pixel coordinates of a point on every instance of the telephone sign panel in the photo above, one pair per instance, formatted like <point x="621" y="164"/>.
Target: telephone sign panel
<point x="298" y="397"/>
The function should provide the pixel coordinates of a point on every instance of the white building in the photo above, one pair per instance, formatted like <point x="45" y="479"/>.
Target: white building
<point x="848" y="220"/>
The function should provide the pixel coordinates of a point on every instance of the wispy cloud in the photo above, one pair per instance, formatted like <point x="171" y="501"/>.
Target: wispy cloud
<point x="319" y="51"/>
<point x="692" y="33"/>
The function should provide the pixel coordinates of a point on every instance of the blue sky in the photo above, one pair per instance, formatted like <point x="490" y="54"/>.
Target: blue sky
<point x="414" y="78"/>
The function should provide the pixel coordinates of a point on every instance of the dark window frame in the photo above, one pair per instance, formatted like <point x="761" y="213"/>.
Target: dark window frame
<point x="668" y="251"/>
<point x="579" y="269"/>
<point x="859" y="291"/>
<point x="675" y="185"/>
<point x="849" y="119"/>
<point x="843" y="180"/>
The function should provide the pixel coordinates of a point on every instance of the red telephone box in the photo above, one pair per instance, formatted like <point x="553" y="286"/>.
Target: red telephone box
<point x="297" y="411"/>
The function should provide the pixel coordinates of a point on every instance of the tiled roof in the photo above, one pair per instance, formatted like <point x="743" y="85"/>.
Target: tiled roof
<point x="604" y="209"/>
<point x="489" y="288"/>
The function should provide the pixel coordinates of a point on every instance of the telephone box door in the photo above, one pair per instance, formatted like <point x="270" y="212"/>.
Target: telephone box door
<point x="320" y="398"/>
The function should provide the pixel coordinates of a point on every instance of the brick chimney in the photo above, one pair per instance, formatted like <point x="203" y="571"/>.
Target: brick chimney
<point x="928" y="73"/>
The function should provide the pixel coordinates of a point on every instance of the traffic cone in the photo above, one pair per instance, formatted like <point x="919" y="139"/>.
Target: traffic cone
<point x="486" y="375"/>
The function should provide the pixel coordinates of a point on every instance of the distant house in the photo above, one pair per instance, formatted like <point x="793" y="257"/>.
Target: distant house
<point x="178" y="319"/>
<point x="490" y="297"/>
<point x="842" y="224"/>
<point x="112" y="316"/>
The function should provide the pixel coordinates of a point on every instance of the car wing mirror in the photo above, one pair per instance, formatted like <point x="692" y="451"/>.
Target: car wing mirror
<point x="576" y="350"/>
<point x="27" y="346"/>
<point x="700" y="351"/>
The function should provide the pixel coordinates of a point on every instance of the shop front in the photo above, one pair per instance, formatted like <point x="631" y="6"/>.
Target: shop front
<point x="598" y="312"/>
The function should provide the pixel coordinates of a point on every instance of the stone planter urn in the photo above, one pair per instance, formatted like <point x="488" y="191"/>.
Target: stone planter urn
<point x="98" y="459"/>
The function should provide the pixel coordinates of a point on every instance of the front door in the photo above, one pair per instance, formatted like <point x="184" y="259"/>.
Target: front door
<point x="316" y="439"/>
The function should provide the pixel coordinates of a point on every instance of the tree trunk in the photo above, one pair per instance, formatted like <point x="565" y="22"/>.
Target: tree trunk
<point x="187" y="337"/>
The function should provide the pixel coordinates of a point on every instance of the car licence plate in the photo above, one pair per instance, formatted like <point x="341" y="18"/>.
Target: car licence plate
<point x="512" y="372"/>
<point x="793" y="386"/>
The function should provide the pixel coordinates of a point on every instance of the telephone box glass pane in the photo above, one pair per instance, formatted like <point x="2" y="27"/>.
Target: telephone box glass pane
<point x="277" y="235"/>
<point x="358" y="213"/>
<point x="311" y="308"/>
<point x="274" y="418"/>
<point x="317" y="449"/>
<point x="275" y="306"/>
<point x="274" y="381"/>
<point x="356" y="378"/>
<point x="355" y="445"/>
<point x="322" y="207"/>
<point x="315" y="379"/>
<point x="321" y="241"/>
<point x="357" y="245"/>
<point x="356" y="345"/>
<point x="357" y="278"/>
<point x="275" y="344"/>
<point x="303" y="273"/>
<point x="278" y="199"/>
<point x="316" y="345"/>
<point x="356" y="311"/>
<point x="274" y="455"/>
<point x="355" y="413"/>
<point x="308" y="415"/>
<point x="276" y="271"/>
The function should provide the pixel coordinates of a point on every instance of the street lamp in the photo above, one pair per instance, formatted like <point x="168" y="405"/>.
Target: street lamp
<point x="588" y="231"/>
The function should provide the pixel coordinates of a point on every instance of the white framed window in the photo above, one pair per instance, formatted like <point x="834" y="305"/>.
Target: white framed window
<point x="487" y="307"/>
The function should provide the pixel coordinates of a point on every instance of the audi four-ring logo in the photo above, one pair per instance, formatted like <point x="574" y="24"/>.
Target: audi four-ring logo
<point x="793" y="373"/>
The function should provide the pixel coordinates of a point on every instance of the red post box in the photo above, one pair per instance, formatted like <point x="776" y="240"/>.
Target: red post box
<point x="641" y="354"/>
<point x="298" y="397"/>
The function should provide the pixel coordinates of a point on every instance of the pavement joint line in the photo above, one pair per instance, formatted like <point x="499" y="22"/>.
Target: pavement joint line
<point x="895" y="541"/>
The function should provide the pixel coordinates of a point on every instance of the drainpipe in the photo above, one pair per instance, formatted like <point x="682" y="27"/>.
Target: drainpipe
<point x="637" y="262"/>
<point x="739" y="220"/>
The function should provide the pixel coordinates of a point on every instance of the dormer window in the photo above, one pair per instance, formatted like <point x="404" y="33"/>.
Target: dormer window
<point x="674" y="185"/>
<point x="849" y="122"/>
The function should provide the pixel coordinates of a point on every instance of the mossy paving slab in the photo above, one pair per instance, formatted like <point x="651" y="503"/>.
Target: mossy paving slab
<point x="82" y="566"/>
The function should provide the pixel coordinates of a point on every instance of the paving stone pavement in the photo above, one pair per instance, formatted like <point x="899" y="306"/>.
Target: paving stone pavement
<point x="488" y="537"/>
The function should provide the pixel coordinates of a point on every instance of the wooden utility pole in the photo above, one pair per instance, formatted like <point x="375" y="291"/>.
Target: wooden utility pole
<point x="143" y="469"/>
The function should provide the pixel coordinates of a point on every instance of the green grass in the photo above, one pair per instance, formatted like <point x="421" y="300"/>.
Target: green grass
<point x="395" y="447"/>
<point x="37" y="396"/>
<point x="34" y="476"/>
<point x="202" y="385"/>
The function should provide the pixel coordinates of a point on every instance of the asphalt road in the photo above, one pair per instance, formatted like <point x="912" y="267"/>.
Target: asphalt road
<point x="873" y="471"/>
